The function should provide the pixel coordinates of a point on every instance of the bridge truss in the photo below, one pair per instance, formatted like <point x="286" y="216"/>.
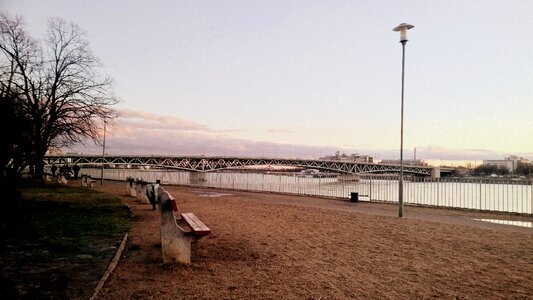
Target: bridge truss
<point x="210" y="164"/>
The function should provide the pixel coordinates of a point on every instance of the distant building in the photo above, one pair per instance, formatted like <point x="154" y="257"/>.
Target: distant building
<point x="500" y="163"/>
<point x="511" y="162"/>
<point x="364" y="159"/>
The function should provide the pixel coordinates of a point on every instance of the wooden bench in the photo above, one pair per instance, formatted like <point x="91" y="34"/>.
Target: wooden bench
<point x="48" y="177"/>
<point x="178" y="230"/>
<point x="151" y="194"/>
<point x="87" y="181"/>
<point x="62" y="179"/>
<point x="140" y="191"/>
<point x="90" y="182"/>
<point x="130" y="189"/>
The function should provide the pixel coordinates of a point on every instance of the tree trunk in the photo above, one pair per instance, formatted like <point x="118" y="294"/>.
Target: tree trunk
<point x="39" y="164"/>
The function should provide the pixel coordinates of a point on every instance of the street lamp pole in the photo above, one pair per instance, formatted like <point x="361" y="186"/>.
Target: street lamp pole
<point x="402" y="28"/>
<point x="103" y="155"/>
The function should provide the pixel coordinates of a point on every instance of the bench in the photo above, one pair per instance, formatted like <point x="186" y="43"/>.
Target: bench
<point x="140" y="191"/>
<point x="130" y="187"/>
<point x="62" y="179"/>
<point x="87" y="181"/>
<point x="151" y="194"/>
<point x="178" y="230"/>
<point x="48" y="177"/>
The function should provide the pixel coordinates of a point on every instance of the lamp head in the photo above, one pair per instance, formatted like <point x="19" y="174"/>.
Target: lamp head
<point x="402" y="28"/>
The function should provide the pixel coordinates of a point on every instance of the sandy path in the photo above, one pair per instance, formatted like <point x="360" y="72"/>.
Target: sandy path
<point x="267" y="246"/>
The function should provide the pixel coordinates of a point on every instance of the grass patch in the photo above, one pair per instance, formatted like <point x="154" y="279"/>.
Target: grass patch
<point x="58" y="240"/>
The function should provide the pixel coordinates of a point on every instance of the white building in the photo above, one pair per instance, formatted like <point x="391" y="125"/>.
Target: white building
<point x="511" y="162"/>
<point x="500" y="163"/>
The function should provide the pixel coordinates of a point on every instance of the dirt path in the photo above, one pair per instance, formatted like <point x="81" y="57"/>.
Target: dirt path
<point x="267" y="246"/>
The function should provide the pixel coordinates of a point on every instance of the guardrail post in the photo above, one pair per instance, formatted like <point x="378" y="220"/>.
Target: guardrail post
<point x="480" y="184"/>
<point x="370" y="189"/>
<point x="342" y="182"/>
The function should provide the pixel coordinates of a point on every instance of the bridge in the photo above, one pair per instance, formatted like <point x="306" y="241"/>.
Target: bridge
<point x="211" y="164"/>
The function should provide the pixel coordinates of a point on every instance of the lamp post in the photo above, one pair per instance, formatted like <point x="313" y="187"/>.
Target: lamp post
<point x="103" y="155"/>
<point x="402" y="28"/>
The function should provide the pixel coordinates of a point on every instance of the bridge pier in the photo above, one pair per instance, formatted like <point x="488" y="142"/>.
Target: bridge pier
<point x="435" y="173"/>
<point x="197" y="177"/>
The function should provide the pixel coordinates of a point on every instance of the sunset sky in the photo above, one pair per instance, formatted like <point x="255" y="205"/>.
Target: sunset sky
<point x="306" y="78"/>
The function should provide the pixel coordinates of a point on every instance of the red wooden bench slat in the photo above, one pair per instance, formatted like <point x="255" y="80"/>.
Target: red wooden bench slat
<point x="173" y="202"/>
<point x="197" y="226"/>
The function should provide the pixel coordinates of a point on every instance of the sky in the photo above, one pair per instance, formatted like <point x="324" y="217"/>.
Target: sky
<point x="307" y="78"/>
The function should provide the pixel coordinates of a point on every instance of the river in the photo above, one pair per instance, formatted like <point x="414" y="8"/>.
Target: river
<point x="513" y="196"/>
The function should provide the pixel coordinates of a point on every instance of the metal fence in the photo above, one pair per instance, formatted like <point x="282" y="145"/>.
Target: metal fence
<point x="514" y="196"/>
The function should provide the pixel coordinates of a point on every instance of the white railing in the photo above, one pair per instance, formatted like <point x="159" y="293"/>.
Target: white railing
<point x="514" y="196"/>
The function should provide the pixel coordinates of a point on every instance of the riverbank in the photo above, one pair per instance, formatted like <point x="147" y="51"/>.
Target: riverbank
<point x="268" y="246"/>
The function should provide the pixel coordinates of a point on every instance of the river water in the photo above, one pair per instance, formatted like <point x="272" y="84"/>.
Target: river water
<point x="504" y="196"/>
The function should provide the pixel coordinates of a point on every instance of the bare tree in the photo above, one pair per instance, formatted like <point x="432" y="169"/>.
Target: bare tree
<point x="62" y="93"/>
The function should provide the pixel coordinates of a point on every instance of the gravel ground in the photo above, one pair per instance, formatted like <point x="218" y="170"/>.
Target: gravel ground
<point x="268" y="246"/>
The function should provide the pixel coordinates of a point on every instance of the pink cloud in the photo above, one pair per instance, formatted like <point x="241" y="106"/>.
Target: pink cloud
<point x="147" y="120"/>
<point x="141" y="133"/>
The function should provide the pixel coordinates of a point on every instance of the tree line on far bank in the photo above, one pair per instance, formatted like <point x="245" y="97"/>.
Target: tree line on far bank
<point x="52" y="94"/>
<point x="522" y="169"/>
